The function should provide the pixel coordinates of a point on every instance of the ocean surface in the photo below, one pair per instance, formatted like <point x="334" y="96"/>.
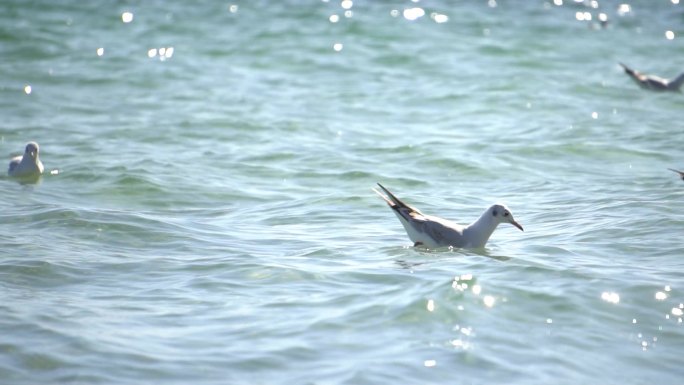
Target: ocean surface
<point x="206" y="215"/>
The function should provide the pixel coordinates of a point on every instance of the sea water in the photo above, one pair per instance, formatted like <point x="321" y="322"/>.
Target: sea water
<point x="206" y="215"/>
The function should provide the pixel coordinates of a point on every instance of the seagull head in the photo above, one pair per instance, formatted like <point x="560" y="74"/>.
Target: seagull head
<point x="501" y="214"/>
<point x="31" y="150"/>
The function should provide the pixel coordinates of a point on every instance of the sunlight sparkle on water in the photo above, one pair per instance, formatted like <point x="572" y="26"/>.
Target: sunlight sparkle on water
<point x="439" y="18"/>
<point x="414" y="13"/>
<point x="347" y="4"/>
<point x="430" y="363"/>
<point x="127" y="17"/>
<point x="334" y="18"/>
<point x="431" y="305"/>
<point x="624" y="9"/>
<point x="583" y="16"/>
<point x="660" y="296"/>
<point x="338" y="47"/>
<point x="100" y="51"/>
<point x="163" y="52"/>
<point x="28" y="90"/>
<point x="477" y="289"/>
<point x="460" y="285"/>
<point x="489" y="300"/>
<point x="669" y="35"/>
<point x="610" y="297"/>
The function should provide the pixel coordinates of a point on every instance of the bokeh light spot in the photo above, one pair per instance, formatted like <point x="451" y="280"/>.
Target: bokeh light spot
<point x="611" y="297"/>
<point x="430" y="363"/>
<point x="127" y="17"/>
<point x="439" y="18"/>
<point x="624" y="9"/>
<point x="414" y="13"/>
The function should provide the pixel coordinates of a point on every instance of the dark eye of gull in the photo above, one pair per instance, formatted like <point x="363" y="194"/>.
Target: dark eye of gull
<point x="495" y="213"/>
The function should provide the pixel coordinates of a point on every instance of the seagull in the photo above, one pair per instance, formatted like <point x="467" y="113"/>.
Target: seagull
<point x="681" y="173"/>
<point x="434" y="232"/>
<point x="655" y="83"/>
<point x="27" y="165"/>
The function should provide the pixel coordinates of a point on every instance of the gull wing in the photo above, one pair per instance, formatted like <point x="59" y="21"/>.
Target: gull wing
<point x="14" y="162"/>
<point x="425" y="230"/>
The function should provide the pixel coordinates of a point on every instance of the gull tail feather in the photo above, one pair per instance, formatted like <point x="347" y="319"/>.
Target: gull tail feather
<point x="626" y="68"/>
<point x="676" y="84"/>
<point x="392" y="198"/>
<point x="384" y="197"/>
<point x="681" y="173"/>
<point x="400" y="208"/>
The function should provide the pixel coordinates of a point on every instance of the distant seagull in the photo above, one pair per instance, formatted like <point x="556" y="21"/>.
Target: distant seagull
<point x="655" y="83"/>
<point x="681" y="173"/>
<point x="27" y="165"/>
<point x="434" y="232"/>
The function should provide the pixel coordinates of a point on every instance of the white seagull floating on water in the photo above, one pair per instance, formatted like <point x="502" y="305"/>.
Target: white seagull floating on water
<point x="27" y="165"/>
<point x="434" y="232"/>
